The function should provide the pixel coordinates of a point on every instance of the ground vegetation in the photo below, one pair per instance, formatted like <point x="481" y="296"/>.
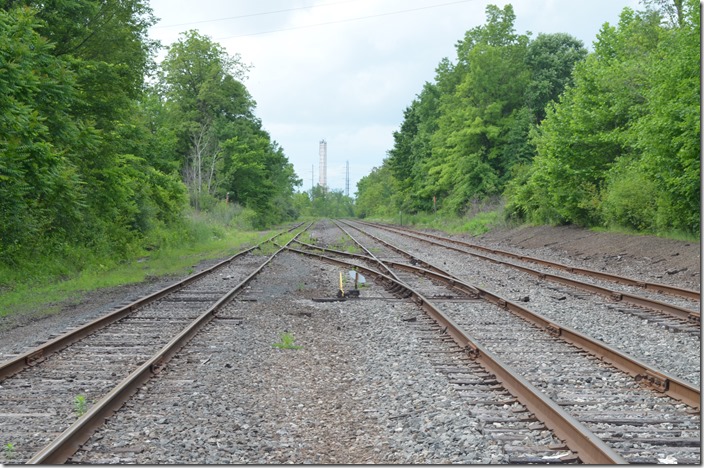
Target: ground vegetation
<point x="106" y="156"/>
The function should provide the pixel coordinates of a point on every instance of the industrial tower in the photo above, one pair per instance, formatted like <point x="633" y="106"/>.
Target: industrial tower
<point x="323" y="171"/>
<point x="347" y="178"/>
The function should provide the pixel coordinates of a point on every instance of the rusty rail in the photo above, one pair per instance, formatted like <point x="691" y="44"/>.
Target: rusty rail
<point x="66" y="444"/>
<point x="658" y="380"/>
<point x="683" y="313"/>
<point x="579" y="439"/>
<point x="41" y="352"/>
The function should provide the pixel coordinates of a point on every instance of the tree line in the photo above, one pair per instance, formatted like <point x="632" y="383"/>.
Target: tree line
<point x="609" y="137"/>
<point x="100" y="146"/>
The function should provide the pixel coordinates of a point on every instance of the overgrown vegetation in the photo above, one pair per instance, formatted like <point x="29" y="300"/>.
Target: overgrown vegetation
<point x="107" y="157"/>
<point x="204" y="235"/>
<point x="320" y="202"/>
<point x="483" y="217"/>
<point x="606" y="138"/>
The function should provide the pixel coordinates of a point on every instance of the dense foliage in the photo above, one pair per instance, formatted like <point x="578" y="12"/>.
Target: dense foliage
<point x="609" y="137"/>
<point x="221" y="148"/>
<point x="324" y="203"/>
<point x="95" y="162"/>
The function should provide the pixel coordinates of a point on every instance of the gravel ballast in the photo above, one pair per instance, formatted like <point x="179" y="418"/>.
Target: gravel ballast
<point x="678" y="354"/>
<point x="359" y="389"/>
<point x="363" y="387"/>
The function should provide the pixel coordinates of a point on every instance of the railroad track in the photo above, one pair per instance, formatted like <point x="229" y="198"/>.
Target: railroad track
<point x="485" y="393"/>
<point x="639" y="423"/>
<point x="55" y="395"/>
<point x="636" y="331"/>
<point x="209" y="398"/>
<point x="656" y="287"/>
<point x="669" y="306"/>
<point x="645" y="337"/>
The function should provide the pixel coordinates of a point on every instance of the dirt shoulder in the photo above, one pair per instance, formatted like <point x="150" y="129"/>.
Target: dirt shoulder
<point x="651" y="258"/>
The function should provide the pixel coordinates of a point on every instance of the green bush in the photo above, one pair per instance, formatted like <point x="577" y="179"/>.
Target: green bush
<point x="630" y="201"/>
<point x="481" y="223"/>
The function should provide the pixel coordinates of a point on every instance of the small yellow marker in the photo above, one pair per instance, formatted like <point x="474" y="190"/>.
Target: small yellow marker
<point x="342" y="291"/>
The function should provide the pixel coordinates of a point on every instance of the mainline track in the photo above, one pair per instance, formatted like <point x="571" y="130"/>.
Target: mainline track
<point x="639" y="333"/>
<point x="106" y="361"/>
<point x="672" y="386"/>
<point x="652" y="378"/>
<point x="657" y="287"/>
<point x="690" y="319"/>
<point x="580" y="440"/>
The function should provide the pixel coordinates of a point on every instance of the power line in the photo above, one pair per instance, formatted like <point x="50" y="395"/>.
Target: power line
<point x="348" y="20"/>
<point x="254" y="14"/>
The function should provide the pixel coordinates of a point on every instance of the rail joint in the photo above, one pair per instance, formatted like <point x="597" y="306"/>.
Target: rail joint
<point x="654" y="380"/>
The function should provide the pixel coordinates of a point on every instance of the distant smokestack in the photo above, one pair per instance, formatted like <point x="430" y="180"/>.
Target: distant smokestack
<point x="347" y="178"/>
<point x="323" y="177"/>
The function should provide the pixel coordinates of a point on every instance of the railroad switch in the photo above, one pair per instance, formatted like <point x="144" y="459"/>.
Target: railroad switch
<point x="353" y="292"/>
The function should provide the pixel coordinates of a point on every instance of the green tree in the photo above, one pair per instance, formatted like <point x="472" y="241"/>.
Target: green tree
<point x="330" y="203"/>
<point x="622" y="145"/>
<point x="223" y="150"/>
<point x="200" y="84"/>
<point x="669" y="132"/>
<point x="75" y="168"/>
<point x="468" y="149"/>
<point x="40" y="189"/>
<point x="465" y="135"/>
<point x="551" y="59"/>
<point x="376" y="194"/>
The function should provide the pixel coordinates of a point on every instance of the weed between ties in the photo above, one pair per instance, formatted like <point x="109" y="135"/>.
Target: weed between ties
<point x="9" y="449"/>
<point x="80" y="405"/>
<point x="287" y="342"/>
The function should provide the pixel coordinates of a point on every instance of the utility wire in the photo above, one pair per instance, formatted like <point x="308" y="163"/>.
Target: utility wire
<point x="254" y="14"/>
<point x="348" y="20"/>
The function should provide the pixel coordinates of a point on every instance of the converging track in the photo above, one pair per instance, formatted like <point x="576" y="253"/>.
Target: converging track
<point x="351" y="343"/>
<point x="604" y="317"/>
<point x="53" y="397"/>
<point x="679" y="305"/>
<point x="568" y="375"/>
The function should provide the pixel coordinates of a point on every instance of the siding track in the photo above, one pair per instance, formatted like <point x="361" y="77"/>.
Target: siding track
<point x="52" y="397"/>
<point x="639" y="423"/>
<point x="634" y="331"/>
<point x="683" y="314"/>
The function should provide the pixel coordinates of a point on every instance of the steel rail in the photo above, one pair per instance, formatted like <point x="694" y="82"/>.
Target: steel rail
<point x="683" y="313"/>
<point x="653" y="378"/>
<point x="415" y="260"/>
<point x="66" y="444"/>
<point x="41" y="352"/>
<point x="657" y="287"/>
<point x="373" y="257"/>
<point x="583" y="442"/>
<point x="657" y="380"/>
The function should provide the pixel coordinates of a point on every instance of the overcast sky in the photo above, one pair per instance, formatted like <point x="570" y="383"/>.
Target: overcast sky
<point x="345" y="70"/>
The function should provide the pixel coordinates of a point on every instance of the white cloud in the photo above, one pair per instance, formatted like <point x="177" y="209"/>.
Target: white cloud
<point x="350" y="81"/>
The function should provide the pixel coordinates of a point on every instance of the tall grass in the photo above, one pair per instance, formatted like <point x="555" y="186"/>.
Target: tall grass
<point x="66" y="272"/>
